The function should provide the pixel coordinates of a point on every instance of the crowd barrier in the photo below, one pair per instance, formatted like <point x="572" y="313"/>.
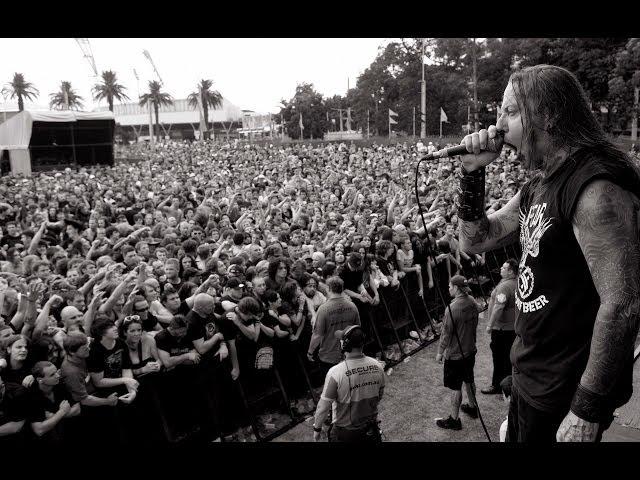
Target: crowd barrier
<point x="194" y="403"/>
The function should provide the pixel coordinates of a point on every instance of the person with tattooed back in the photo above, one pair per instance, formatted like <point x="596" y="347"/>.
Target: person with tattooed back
<point x="578" y="286"/>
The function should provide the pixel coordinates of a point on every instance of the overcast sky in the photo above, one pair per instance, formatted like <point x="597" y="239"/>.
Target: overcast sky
<point x="254" y="74"/>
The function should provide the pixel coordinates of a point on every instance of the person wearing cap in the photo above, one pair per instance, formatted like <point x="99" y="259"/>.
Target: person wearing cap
<point x="352" y="391"/>
<point x="458" y="346"/>
<point x="502" y="314"/>
<point x="234" y="292"/>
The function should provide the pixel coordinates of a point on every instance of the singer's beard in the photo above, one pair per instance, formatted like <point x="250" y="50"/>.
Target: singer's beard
<point x="531" y="160"/>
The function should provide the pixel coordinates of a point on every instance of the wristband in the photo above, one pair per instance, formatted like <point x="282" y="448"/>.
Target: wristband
<point x="470" y="198"/>
<point x="589" y="406"/>
<point x="317" y="429"/>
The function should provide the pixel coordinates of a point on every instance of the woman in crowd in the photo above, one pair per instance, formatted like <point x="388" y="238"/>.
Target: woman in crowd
<point x="141" y="347"/>
<point x="17" y="361"/>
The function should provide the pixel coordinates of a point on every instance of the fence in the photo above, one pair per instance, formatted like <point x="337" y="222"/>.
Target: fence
<point x="195" y="403"/>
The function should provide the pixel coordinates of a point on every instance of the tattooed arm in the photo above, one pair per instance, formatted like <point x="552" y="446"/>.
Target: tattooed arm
<point x="496" y="230"/>
<point x="606" y="227"/>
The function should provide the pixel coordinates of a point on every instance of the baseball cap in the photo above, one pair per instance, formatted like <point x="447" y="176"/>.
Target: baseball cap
<point x="234" y="283"/>
<point x="460" y="282"/>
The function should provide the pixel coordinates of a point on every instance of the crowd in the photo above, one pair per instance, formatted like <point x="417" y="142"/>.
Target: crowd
<point x="165" y="290"/>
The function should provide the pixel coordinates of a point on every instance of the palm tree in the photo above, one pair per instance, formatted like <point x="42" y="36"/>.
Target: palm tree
<point x="20" y="89"/>
<point x="208" y="97"/>
<point x="109" y="89"/>
<point x="66" y="98"/>
<point x="157" y="98"/>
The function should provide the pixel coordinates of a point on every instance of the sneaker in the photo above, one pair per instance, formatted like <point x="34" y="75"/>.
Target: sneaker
<point x="469" y="410"/>
<point x="449" y="423"/>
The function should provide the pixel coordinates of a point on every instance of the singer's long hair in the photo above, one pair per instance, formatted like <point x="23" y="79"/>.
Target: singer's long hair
<point x="551" y="98"/>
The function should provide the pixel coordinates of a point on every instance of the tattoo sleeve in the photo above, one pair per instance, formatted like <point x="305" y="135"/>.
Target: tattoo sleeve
<point x="493" y="231"/>
<point x="606" y="227"/>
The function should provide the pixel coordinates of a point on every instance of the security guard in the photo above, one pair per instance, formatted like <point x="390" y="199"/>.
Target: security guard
<point x="353" y="388"/>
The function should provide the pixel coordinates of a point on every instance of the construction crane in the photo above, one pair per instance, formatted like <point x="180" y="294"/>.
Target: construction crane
<point x="153" y="65"/>
<point x="85" y="46"/>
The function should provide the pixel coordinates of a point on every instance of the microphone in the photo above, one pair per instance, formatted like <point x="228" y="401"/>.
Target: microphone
<point x="495" y="145"/>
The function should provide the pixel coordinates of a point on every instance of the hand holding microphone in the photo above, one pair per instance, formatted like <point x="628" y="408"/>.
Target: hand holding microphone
<point x="477" y="149"/>
<point x="483" y="147"/>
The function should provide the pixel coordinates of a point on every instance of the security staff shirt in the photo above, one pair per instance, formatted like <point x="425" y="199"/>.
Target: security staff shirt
<point x="354" y="387"/>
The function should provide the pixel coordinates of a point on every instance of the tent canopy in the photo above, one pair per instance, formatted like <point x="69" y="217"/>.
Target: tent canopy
<point x="15" y="133"/>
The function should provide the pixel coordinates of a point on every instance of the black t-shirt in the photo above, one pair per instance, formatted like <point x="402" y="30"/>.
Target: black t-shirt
<point x="172" y="345"/>
<point x="556" y="300"/>
<point x="38" y="404"/>
<point x="206" y="327"/>
<point x="150" y="323"/>
<point x="12" y="241"/>
<point x="269" y="321"/>
<point x="15" y="376"/>
<point x="352" y="278"/>
<point x="111" y="362"/>
<point x="13" y="404"/>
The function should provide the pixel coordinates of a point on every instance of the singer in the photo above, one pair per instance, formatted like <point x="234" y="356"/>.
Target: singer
<point x="578" y="287"/>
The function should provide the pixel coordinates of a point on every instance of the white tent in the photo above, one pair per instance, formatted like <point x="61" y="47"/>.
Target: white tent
<point x="15" y="133"/>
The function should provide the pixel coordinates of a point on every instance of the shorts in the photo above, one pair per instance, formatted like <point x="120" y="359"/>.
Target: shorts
<point x="458" y="371"/>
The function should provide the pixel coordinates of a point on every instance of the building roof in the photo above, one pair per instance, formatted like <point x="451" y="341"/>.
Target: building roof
<point x="180" y="112"/>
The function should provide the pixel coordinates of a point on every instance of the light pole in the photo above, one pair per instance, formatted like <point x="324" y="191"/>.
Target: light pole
<point x="423" y="96"/>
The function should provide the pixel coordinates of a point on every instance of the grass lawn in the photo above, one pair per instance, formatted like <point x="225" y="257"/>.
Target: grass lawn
<point x="415" y="397"/>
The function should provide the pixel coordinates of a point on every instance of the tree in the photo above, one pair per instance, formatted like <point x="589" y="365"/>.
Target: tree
<point x="208" y="97"/>
<point x="20" y="89"/>
<point x="310" y="104"/>
<point x="109" y="89"/>
<point x="157" y="98"/>
<point x="625" y="84"/>
<point x="66" y="98"/>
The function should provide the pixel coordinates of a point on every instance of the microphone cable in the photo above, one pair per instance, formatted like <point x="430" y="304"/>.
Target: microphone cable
<point x="436" y="281"/>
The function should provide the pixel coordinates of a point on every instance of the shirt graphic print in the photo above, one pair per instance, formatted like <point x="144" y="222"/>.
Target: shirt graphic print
<point x="532" y="228"/>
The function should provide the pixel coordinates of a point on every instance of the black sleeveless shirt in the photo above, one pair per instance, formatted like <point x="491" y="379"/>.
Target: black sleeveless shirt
<point x="556" y="300"/>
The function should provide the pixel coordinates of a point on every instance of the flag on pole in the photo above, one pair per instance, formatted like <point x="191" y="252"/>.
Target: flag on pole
<point x="300" y="122"/>
<point x="443" y="116"/>
<point x="391" y="120"/>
